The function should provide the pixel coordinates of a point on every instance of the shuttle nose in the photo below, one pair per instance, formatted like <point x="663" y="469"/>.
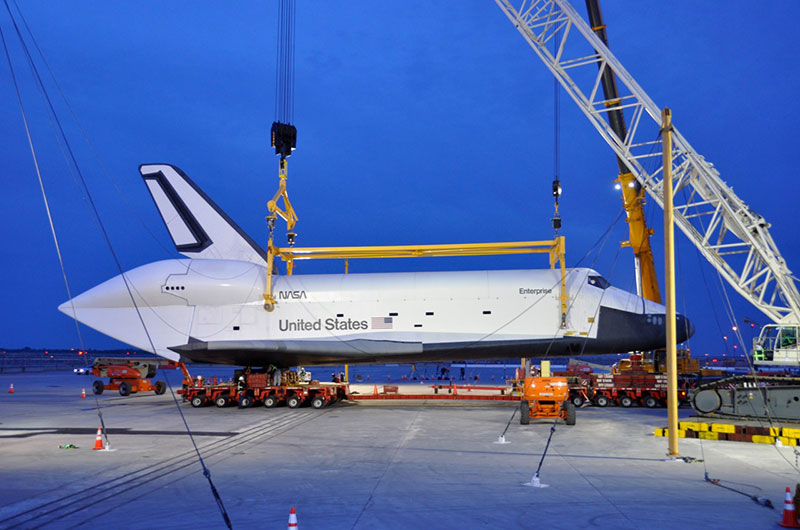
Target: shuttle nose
<point x="111" y="293"/>
<point x="684" y="328"/>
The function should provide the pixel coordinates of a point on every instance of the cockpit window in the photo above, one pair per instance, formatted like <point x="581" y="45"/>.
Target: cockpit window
<point x="599" y="281"/>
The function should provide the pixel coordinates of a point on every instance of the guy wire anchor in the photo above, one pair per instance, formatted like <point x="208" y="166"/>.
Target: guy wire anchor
<point x="502" y="438"/>
<point x="535" y="483"/>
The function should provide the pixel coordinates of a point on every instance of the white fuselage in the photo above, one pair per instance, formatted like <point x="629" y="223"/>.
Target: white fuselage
<point x="221" y="302"/>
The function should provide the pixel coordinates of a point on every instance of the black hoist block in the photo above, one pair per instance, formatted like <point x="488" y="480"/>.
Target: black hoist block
<point x="284" y="138"/>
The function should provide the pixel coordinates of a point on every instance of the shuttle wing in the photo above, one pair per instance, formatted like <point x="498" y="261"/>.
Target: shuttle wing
<point x="294" y="352"/>
<point x="197" y="226"/>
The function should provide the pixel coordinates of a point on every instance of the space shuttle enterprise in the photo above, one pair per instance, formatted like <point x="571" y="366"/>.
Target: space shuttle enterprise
<point x="209" y="307"/>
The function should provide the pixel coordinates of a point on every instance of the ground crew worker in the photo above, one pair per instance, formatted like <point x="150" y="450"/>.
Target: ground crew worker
<point x="240" y="386"/>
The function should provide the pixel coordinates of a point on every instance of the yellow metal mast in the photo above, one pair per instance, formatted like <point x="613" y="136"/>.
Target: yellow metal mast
<point x="669" y="275"/>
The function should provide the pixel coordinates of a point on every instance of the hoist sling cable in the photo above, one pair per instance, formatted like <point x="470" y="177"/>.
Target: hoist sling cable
<point x="106" y="237"/>
<point x="84" y="134"/>
<point x="49" y="215"/>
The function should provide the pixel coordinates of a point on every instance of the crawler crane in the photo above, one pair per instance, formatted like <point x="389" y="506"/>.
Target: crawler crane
<point x="727" y="232"/>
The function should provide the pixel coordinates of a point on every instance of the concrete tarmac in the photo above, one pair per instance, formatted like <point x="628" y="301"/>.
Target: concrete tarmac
<point x="361" y="466"/>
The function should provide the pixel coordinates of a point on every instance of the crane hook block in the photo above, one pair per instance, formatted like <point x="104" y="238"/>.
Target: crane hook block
<point x="284" y="138"/>
<point x="556" y="188"/>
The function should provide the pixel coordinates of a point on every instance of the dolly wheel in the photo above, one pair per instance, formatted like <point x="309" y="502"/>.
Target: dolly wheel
<point x="650" y="402"/>
<point x="524" y="413"/>
<point x="124" y="388"/>
<point x="318" y="402"/>
<point x="293" y="402"/>
<point x="198" y="401"/>
<point x="98" y="387"/>
<point x="577" y="400"/>
<point x="161" y="387"/>
<point x="270" y="402"/>
<point x="221" y="401"/>
<point x="570" y="414"/>
<point x="601" y="401"/>
<point x="626" y="401"/>
<point x="245" y="402"/>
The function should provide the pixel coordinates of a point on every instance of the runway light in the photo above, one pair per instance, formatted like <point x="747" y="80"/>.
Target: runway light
<point x="734" y="328"/>
<point x="724" y="337"/>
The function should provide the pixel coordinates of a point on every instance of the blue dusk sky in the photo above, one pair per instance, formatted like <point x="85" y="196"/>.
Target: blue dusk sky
<point x="419" y="122"/>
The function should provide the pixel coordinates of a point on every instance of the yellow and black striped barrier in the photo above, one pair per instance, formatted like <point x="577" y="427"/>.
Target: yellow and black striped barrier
<point x="735" y="433"/>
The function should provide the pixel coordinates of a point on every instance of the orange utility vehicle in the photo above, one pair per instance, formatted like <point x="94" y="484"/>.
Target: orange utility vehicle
<point x="130" y="375"/>
<point x="546" y="397"/>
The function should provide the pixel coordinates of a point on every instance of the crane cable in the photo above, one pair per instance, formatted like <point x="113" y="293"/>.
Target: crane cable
<point x="284" y="78"/>
<point x="49" y="105"/>
<point x="556" y="143"/>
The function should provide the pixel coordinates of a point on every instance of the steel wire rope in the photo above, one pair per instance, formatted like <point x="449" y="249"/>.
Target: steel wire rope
<point x="83" y="131"/>
<point x="771" y="417"/>
<point x="112" y="488"/>
<point x="244" y="436"/>
<point x="285" y="58"/>
<point x="702" y="450"/>
<point x="728" y="307"/>
<point x="38" y="81"/>
<point x="730" y="313"/>
<point x="603" y="238"/>
<point x="49" y="213"/>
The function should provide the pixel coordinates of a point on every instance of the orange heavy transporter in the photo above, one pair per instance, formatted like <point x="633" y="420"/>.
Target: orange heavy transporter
<point x="259" y="390"/>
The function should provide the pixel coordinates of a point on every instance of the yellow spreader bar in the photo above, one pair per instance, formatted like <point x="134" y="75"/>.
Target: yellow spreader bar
<point x="555" y="248"/>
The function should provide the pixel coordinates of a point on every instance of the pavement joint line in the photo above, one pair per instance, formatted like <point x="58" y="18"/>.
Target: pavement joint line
<point x="272" y="434"/>
<point x="213" y="448"/>
<point x="181" y="457"/>
<point x="409" y="430"/>
<point x="588" y="481"/>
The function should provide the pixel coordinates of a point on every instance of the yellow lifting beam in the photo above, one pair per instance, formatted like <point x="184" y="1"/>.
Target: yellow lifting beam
<point x="555" y="248"/>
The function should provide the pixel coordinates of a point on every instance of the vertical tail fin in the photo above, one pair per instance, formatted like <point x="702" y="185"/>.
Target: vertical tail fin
<point x="197" y="226"/>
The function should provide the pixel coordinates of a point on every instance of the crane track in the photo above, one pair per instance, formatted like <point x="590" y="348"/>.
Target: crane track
<point x="57" y="509"/>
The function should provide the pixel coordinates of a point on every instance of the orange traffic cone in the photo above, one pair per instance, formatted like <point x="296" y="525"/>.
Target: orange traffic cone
<point x="292" y="520"/>
<point x="374" y="390"/>
<point x="98" y="442"/>
<point x="83" y="393"/>
<point x="789" y="515"/>
<point x="11" y="389"/>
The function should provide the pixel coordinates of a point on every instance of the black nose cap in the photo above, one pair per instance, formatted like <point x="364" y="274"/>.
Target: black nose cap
<point x="683" y="328"/>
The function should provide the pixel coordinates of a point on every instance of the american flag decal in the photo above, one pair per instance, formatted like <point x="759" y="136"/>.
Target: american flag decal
<point x="381" y="322"/>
